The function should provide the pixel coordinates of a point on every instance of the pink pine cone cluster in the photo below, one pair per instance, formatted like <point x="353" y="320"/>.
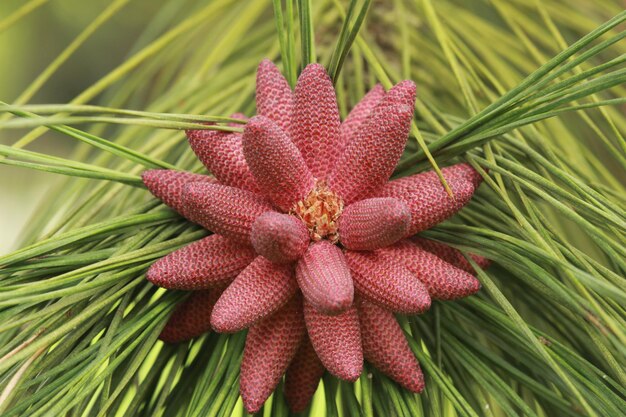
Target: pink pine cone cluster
<point x="314" y="249"/>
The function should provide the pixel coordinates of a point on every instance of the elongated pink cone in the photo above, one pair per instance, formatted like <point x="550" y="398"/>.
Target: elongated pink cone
<point x="336" y="340"/>
<point x="224" y="210"/>
<point x="315" y="120"/>
<point x="359" y="115"/>
<point x="276" y="163"/>
<point x="387" y="283"/>
<point x="274" y="98"/>
<point x="370" y="158"/>
<point x="427" y="199"/>
<point x="280" y="238"/>
<point x="403" y="93"/>
<point x="206" y="263"/>
<point x="167" y="185"/>
<point x="303" y="377"/>
<point x="270" y="346"/>
<point x="465" y="171"/>
<point x="222" y="154"/>
<point x="374" y="223"/>
<point x="385" y="347"/>
<point x="191" y="318"/>
<point x="324" y="278"/>
<point x="239" y="116"/>
<point x="443" y="280"/>
<point x="451" y="255"/>
<point x="259" y="290"/>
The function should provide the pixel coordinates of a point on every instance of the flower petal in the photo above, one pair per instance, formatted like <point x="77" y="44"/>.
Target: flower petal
<point x="258" y="291"/>
<point x="206" y="263"/>
<point x="443" y="280"/>
<point x="451" y="255"/>
<point x="276" y="163"/>
<point x="324" y="278"/>
<point x="270" y="346"/>
<point x="370" y="158"/>
<point x="191" y="318"/>
<point x="281" y="238"/>
<point x="224" y="210"/>
<point x="167" y="185"/>
<point x="274" y="98"/>
<point x="387" y="283"/>
<point x="315" y="120"/>
<point x="222" y="154"/>
<point x="337" y="341"/>
<point x="303" y="377"/>
<point x="385" y="347"/>
<point x="359" y="114"/>
<point x="427" y="199"/>
<point x="374" y="223"/>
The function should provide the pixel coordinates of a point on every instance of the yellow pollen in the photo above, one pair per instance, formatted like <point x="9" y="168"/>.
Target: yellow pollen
<point x="320" y="211"/>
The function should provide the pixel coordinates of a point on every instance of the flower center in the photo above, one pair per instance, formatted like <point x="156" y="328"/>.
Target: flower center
<point x="320" y="211"/>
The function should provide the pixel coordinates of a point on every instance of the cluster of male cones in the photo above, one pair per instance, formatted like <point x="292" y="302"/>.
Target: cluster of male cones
<point x="314" y="249"/>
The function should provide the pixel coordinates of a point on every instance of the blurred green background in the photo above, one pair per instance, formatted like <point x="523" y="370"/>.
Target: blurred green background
<point x="47" y="30"/>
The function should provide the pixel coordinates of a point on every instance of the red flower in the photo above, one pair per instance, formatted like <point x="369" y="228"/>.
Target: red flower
<point x="313" y="245"/>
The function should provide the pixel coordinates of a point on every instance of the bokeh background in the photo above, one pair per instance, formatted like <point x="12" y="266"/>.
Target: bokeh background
<point x="49" y="29"/>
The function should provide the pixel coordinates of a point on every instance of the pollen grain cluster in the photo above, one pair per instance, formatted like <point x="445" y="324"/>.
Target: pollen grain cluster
<point x="320" y="212"/>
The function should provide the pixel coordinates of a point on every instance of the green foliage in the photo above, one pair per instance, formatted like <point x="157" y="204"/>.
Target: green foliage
<point x="533" y="92"/>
